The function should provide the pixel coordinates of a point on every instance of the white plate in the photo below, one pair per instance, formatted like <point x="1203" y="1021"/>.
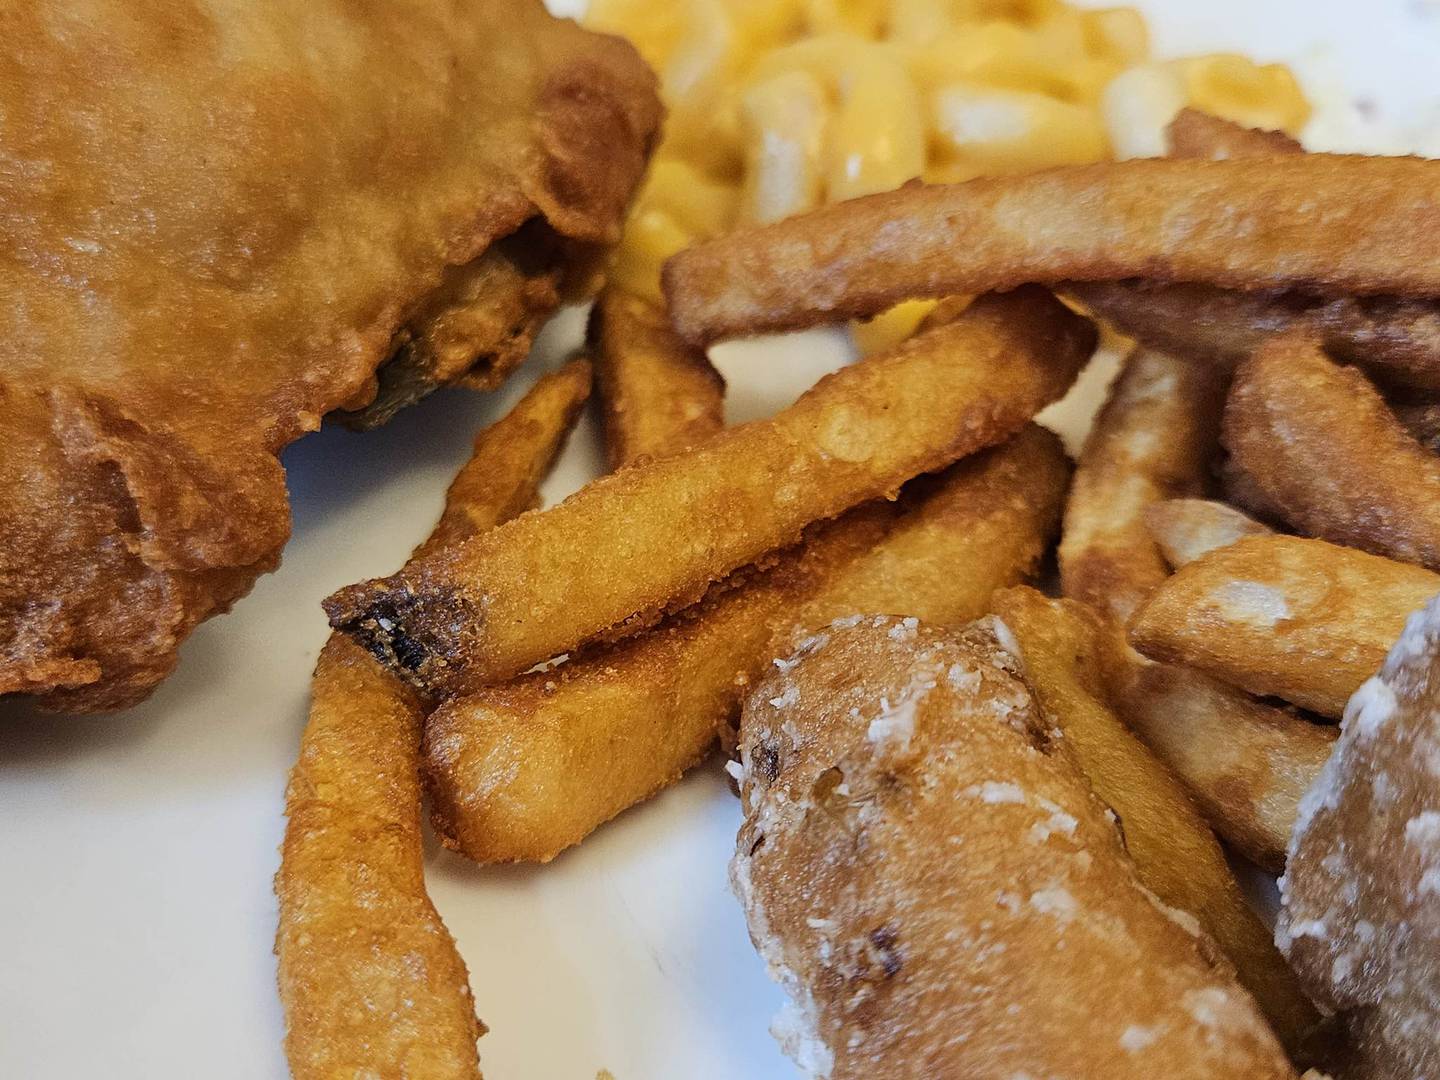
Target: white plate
<point x="136" y="850"/>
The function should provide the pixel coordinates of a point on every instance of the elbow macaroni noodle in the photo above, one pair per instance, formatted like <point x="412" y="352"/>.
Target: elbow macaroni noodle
<point x="781" y="105"/>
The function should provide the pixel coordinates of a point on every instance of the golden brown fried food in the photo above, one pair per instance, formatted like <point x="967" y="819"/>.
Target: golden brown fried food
<point x="1246" y="763"/>
<point x="1322" y="446"/>
<point x="520" y="771"/>
<point x="1422" y="420"/>
<point x="512" y="457"/>
<point x="1300" y="619"/>
<point x="983" y="524"/>
<point x="1153" y="440"/>
<point x="524" y="770"/>
<point x="1238" y="224"/>
<point x="1359" y="918"/>
<point x="1185" y="529"/>
<point x="1196" y="134"/>
<point x="653" y="537"/>
<point x="935" y="886"/>
<point x="1396" y="341"/>
<point x="369" y="976"/>
<point x="226" y="219"/>
<point x="1061" y="646"/>
<point x="657" y="395"/>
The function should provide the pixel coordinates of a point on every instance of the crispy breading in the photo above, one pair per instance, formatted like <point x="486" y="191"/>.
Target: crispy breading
<point x="523" y="770"/>
<point x="1246" y="224"/>
<point x="1185" y="529"/>
<point x="368" y="975"/>
<point x="1325" y="450"/>
<point x="1359" y="917"/>
<point x="1061" y="646"/>
<point x="220" y="222"/>
<point x="1246" y="763"/>
<point x="1196" y="134"/>
<point x="940" y="893"/>
<point x="656" y="394"/>
<point x="653" y="537"/>
<point x="1154" y="439"/>
<point x="1299" y="619"/>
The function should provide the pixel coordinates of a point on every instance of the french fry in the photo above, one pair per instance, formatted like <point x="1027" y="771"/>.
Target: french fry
<point x="511" y="457"/>
<point x="657" y="395"/>
<point x="652" y="538"/>
<point x="1396" y="340"/>
<point x="521" y="771"/>
<point x="1299" y="619"/>
<point x="1245" y="224"/>
<point x="1060" y="644"/>
<point x="932" y="880"/>
<point x="369" y="976"/>
<point x="1153" y="440"/>
<point x="1185" y="529"/>
<point x="984" y="523"/>
<point x="1196" y="134"/>
<point x="1245" y="763"/>
<point x="1324" y="448"/>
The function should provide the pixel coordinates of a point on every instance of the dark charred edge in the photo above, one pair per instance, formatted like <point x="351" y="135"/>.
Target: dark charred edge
<point x="401" y="629"/>
<point x="535" y="251"/>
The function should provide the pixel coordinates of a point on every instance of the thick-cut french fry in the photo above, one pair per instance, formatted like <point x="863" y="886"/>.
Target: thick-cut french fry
<point x="657" y="395"/>
<point x="1153" y="440"/>
<point x="653" y="537"/>
<point x="1185" y="529"/>
<point x="511" y="457"/>
<point x="1246" y="224"/>
<point x="932" y="880"/>
<point x="369" y="977"/>
<point x="1320" y="443"/>
<point x="1196" y="134"/>
<point x="1300" y="619"/>
<point x="1246" y="763"/>
<point x="1061" y="646"/>
<point x="981" y="525"/>
<point x="524" y="770"/>
<point x="1396" y="340"/>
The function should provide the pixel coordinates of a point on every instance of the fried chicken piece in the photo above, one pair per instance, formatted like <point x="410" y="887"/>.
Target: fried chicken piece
<point x="933" y="882"/>
<point x="1360" y="916"/>
<point x="219" y="222"/>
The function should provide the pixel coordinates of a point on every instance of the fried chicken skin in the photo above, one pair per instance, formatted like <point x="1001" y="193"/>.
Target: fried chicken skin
<point x="221" y="220"/>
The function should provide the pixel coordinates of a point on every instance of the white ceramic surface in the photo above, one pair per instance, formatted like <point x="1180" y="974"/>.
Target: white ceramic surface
<point x="136" y="850"/>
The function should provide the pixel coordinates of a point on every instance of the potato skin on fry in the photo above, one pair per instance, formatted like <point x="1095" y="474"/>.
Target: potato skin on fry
<point x="1061" y="646"/>
<point x="1185" y="529"/>
<point x="1324" y="448"/>
<point x="1299" y="619"/>
<point x="1154" y="439"/>
<point x="521" y="771"/>
<point x="1245" y="763"/>
<point x="651" y="538"/>
<point x="934" y="884"/>
<point x="370" y="978"/>
<point x="656" y="394"/>
<point x="1243" y="224"/>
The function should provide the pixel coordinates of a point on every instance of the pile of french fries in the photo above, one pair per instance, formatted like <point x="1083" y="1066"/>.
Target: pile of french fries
<point x="1251" y="521"/>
